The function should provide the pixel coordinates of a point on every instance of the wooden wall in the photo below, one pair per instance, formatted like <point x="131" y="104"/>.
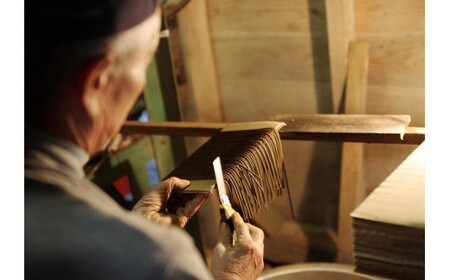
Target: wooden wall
<point x="396" y="32"/>
<point x="277" y="57"/>
<point x="265" y="55"/>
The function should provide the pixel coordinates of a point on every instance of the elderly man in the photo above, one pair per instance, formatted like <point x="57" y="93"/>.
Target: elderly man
<point x="85" y="65"/>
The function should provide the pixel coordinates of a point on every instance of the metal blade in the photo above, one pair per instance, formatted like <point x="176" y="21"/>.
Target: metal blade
<point x="219" y="177"/>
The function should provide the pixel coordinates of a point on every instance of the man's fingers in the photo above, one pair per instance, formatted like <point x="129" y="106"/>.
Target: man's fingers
<point x="179" y="218"/>
<point x="256" y="233"/>
<point x="240" y="226"/>
<point x="177" y="183"/>
<point x="225" y="235"/>
<point x="167" y="186"/>
<point x="160" y="219"/>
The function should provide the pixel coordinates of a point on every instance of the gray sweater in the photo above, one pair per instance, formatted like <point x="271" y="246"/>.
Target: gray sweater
<point x="73" y="230"/>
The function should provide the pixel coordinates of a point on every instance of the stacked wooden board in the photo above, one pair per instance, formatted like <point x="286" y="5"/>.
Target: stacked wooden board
<point x="389" y="225"/>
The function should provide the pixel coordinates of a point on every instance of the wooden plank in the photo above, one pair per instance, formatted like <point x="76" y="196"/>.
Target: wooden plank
<point x="412" y="136"/>
<point x="172" y="128"/>
<point x="277" y="56"/>
<point x="356" y="86"/>
<point x="344" y="127"/>
<point x="396" y="60"/>
<point x="396" y="33"/>
<point x="388" y="17"/>
<point x="276" y="48"/>
<point x="337" y="128"/>
<point x="383" y="99"/>
<point x="199" y="61"/>
<point x="341" y="31"/>
<point x="259" y="15"/>
<point x="352" y="190"/>
<point x="267" y="97"/>
<point x="203" y="81"/>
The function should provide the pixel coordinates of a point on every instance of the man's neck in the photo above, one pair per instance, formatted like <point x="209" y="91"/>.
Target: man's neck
<point x="63" y="126"/>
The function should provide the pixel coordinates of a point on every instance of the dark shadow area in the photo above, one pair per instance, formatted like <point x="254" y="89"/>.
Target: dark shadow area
<point x="319" y="41"/>
<point x="320" y="199"/>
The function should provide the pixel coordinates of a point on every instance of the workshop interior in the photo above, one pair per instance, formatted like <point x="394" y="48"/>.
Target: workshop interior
<point x="316" y="109"/>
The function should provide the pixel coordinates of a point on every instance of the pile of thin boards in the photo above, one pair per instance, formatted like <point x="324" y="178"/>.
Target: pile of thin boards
<point x="253" y="165"/>
<point x="389" y="225"/>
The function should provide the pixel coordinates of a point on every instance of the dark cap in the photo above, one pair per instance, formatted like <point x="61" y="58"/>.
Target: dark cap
<point x="81" y="20"/>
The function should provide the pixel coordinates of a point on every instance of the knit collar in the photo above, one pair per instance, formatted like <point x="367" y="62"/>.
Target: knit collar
<point x="46" y="151"/>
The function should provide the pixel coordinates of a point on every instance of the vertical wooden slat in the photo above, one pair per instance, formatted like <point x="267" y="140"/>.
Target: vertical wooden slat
<point x="352" y="190"/>
<point x="341" y="31"/>
<point x="202" y="77"/>
<point x="199" y="61"/>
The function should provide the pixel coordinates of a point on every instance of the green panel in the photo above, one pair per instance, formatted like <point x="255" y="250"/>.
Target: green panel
<point x="131" y="162"/>
<point x="153" y="94"/>
<point x="154" y="103"/>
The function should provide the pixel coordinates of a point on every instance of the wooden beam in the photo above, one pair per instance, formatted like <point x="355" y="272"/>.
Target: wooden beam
<point x="200" y="69"/>
<point x="173" y="128"/>
<point x="199" y="61"/>
<point x="352" y="190"/>
<point x="350" y="128"/>
<point x="412" y="136"/>
<point x="337" y="128"/>
<point x="341" y="31"/>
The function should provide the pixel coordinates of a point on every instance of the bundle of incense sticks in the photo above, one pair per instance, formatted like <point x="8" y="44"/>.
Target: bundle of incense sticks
<point x="253" y="165"/>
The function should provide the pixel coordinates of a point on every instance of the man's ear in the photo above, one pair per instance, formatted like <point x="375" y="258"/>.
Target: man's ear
<point x="91" y="83"/>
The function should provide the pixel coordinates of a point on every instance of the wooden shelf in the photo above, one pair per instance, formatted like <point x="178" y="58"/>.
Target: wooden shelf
<point x="322" y="127"/>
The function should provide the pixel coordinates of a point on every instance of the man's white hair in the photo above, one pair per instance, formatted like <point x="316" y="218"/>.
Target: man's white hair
<point x="119" y="45"/>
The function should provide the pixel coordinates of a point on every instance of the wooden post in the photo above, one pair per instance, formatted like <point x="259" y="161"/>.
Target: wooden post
<point x="199" y="61"/>
<point x="200" y="68"/>
<point x="341" y="31"/>
<point x="352" y="190"/>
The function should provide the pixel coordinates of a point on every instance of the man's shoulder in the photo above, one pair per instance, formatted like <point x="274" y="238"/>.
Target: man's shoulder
<point x="62" y="231"/>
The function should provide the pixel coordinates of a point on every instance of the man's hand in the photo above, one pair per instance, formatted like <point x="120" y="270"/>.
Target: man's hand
<point x="153" y="204"/>
<point x="245" y="259"/>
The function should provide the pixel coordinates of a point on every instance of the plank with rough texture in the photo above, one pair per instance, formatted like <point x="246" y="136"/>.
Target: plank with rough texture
<point x="341" y="31"/>
<point x="350" y="128"/>
<point x="382" y="16"/>
<point x="259" y="15"/>
<point x="199" y="61"/>
<point x="172" y="128"/>
<point x="352" y="190"/>
<point x="337" y="128"/>
<point x="345" y="123"/>
<point x="200" y="69"/>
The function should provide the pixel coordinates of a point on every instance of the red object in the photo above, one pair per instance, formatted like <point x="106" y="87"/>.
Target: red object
<point x="123" y="185"/>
